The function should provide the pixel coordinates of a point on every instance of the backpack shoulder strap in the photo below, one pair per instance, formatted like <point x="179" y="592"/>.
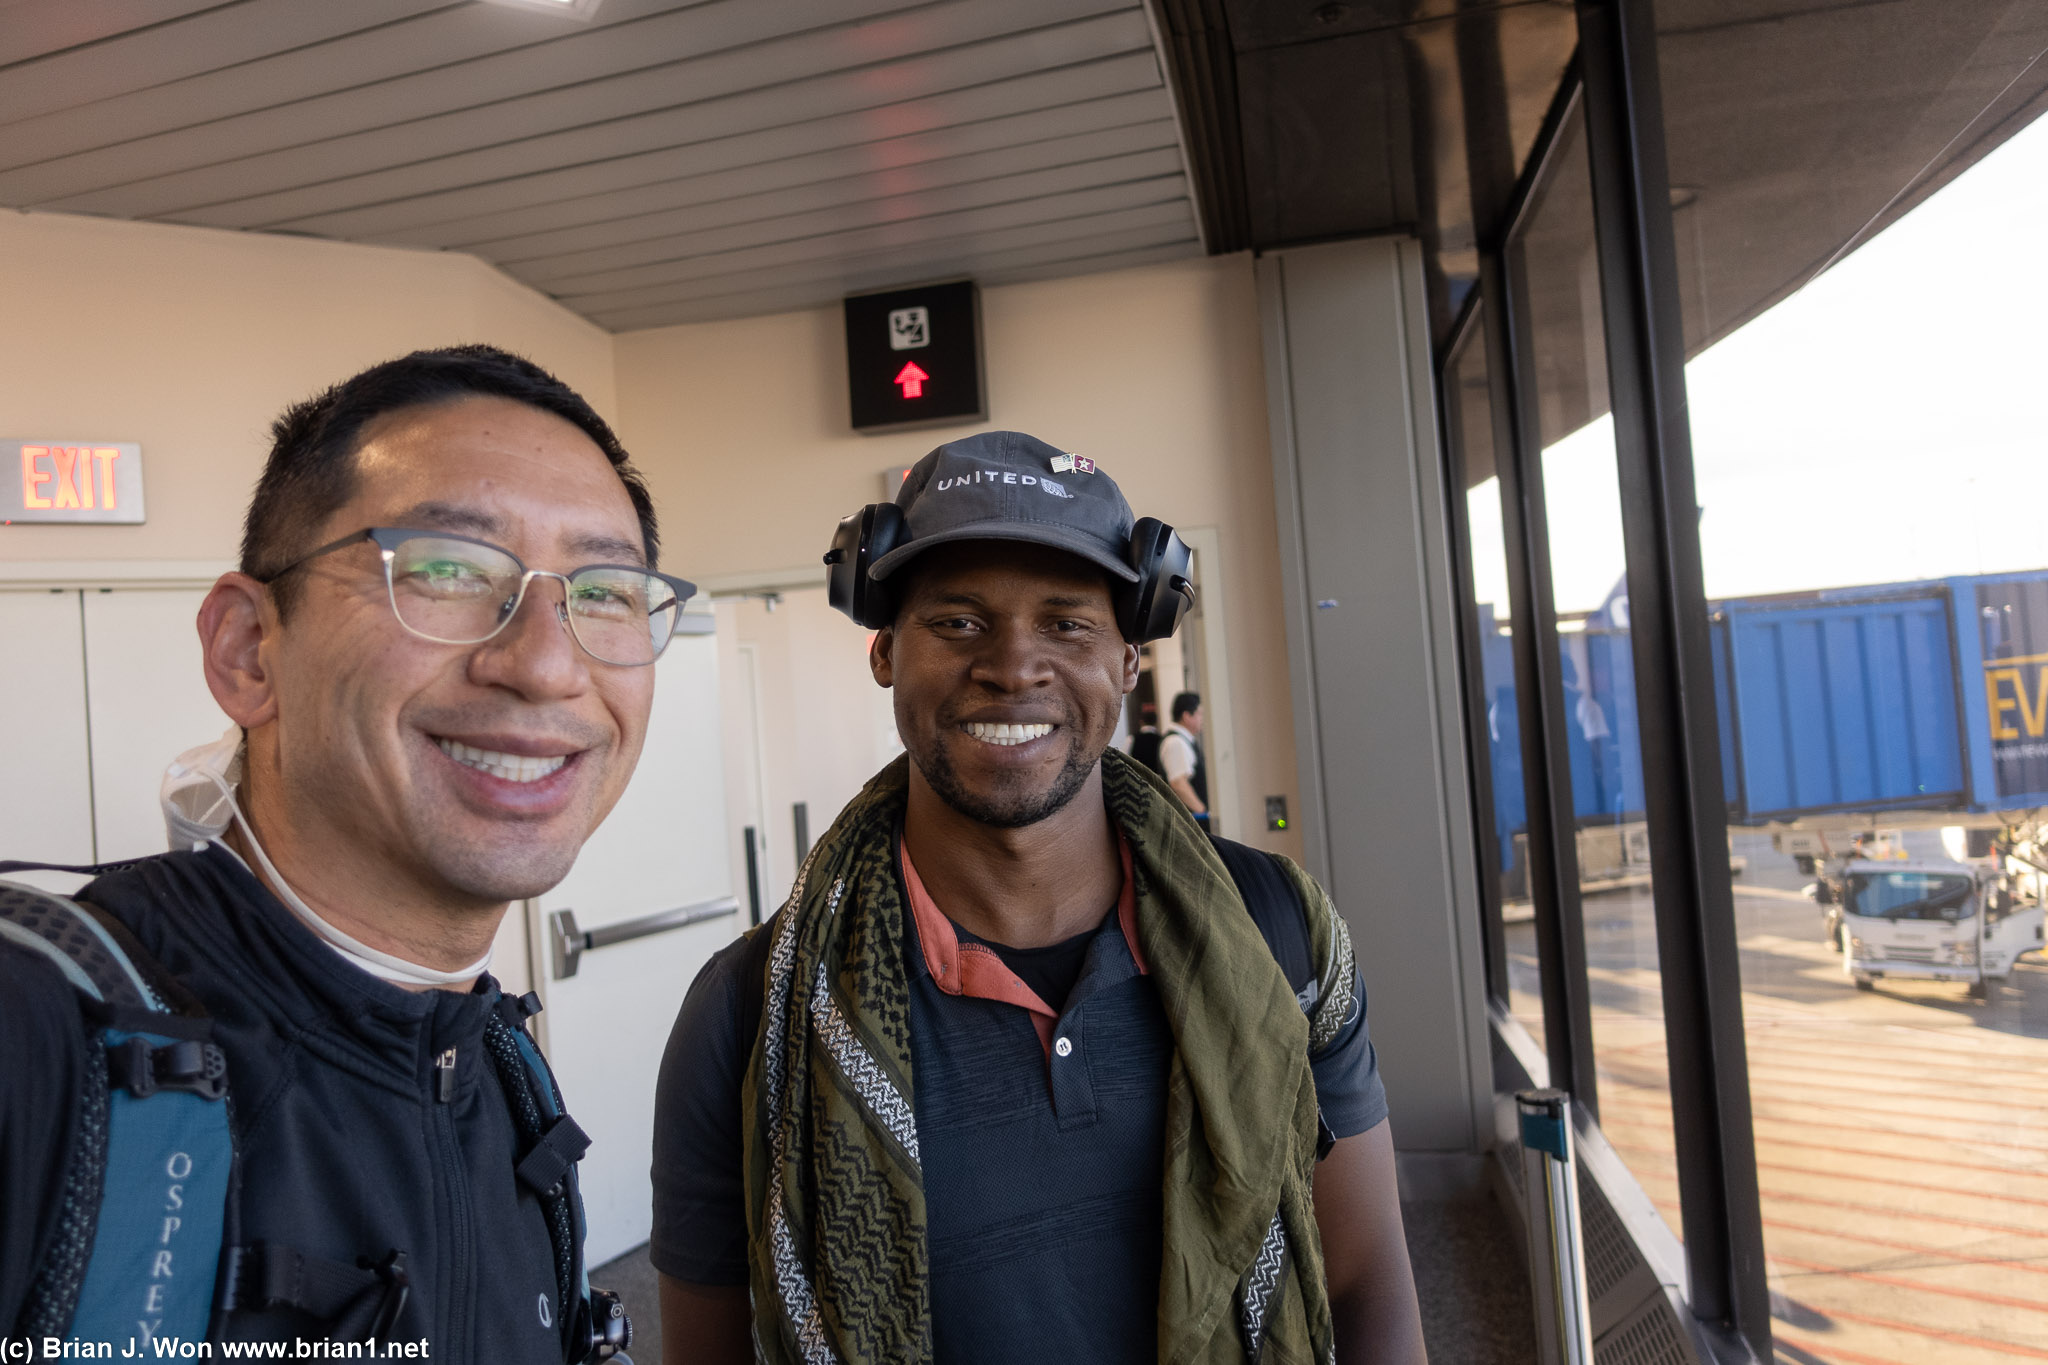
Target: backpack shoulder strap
<point x="149" y="1177"/>
<point x="1276" y="908"/>
<point x="81" y="944"/>
<point x="592" y="1321"/>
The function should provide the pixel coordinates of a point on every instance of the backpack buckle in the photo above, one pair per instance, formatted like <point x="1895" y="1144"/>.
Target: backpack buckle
<point x="545" y="1169"/>
<point x="187" y="1065"/>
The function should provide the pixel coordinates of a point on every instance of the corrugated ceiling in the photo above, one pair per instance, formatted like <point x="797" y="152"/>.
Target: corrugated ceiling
<point x="662" y="162"/>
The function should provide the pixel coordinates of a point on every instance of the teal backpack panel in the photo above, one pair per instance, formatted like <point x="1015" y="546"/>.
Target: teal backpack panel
<point x="161" y="1161"/>
<point x="162" y="1217"/>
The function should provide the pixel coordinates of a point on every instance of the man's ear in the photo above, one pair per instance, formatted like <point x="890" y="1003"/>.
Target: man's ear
<point x="1130" y="669"/>
<point x="880" y="646"/>
<point x="237" y="619"/>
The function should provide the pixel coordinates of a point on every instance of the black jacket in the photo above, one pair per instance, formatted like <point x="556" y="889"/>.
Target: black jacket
<point x="344" y="1149"/>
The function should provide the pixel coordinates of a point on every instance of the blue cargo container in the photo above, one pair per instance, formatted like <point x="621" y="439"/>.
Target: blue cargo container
<point x="1894" y="696"/>
<point x="1898" y="696"/>
<point x="1840" y="705"/>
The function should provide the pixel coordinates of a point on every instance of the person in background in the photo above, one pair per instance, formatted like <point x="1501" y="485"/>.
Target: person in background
<point x="1180" y="756"/>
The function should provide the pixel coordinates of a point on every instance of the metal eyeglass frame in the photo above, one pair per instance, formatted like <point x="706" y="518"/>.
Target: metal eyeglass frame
<point x="388" y="538"/>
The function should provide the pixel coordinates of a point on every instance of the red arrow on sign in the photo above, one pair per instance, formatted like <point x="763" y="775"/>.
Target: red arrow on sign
<point x="912" y="379"/>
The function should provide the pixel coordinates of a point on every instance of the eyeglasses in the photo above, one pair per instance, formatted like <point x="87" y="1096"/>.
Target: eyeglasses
<point x="457" y="591"/>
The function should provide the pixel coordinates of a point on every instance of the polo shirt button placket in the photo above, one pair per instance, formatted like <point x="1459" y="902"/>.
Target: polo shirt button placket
<point x="1073" y="1090"/>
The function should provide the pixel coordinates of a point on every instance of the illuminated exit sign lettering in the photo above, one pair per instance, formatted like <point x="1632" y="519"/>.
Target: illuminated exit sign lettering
<point x="70" y="481"/>
<point x="913" y="357"/>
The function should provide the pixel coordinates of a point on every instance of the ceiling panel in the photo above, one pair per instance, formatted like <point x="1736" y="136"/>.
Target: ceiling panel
<point x="915" y="259"/>
<point x="1031" y="188"/>
<point x="32" y="28"/>
<point x="991" y="258"/>
<point x="908" y="232"/>
<point x="206" y="41"/>
<point x="799" y="184"/>
<point x="401" y="61"/>
<point x="988" y="272"/>
<point x="1093" y="94"/>
<point x="754" y="57"/>
<point x="668" y="160"/>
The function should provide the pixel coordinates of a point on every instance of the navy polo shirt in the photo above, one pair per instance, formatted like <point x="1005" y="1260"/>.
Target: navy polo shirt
<point x="1042" y="1133"/>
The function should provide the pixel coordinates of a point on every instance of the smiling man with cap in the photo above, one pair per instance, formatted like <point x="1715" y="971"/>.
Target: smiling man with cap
<point x="1028" y="1067"/>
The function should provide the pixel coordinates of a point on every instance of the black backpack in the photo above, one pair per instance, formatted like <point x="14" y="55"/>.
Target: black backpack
<point x="154" y="1126"/>
<point x="1145" y="749"/>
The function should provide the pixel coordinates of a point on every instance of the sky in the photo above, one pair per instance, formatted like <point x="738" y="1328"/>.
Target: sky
<point x="1885" y="423"/>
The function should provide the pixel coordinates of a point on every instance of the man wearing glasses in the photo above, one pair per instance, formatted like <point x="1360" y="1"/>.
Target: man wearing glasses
<point x="437" y="653"/>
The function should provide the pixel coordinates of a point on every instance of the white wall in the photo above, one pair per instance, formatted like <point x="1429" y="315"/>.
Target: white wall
<point x="190" y="341"/>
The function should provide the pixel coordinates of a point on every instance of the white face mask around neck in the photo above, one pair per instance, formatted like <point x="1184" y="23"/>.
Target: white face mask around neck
<point x="198" y="799"/>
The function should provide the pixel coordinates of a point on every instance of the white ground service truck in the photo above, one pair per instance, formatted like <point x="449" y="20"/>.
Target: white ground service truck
<point x="1936" y="920"/>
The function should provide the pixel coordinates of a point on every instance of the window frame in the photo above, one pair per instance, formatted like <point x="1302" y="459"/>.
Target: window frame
<point x="1612" y="85"/>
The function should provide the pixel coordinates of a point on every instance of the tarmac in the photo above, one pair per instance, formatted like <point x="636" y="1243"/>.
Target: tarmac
<point x="1901" y="1133"/>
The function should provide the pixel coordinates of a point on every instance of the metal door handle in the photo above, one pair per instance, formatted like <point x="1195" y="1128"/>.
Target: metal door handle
<point x="567" y="944"/>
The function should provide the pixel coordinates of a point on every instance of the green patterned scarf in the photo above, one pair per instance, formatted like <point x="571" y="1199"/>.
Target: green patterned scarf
<point x="835" y="1197"/>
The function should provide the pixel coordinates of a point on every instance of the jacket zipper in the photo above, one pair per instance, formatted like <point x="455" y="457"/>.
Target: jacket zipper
<point x="459" y="1303"/>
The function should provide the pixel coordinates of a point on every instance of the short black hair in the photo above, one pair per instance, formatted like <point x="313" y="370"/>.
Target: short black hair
<point x="1184" y="703"/>
<point x="311" y="470"/>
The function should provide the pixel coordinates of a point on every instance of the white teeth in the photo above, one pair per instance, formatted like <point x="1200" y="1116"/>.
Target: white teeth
<point x="1005" y="734"/>
<point x="509" y="767"/>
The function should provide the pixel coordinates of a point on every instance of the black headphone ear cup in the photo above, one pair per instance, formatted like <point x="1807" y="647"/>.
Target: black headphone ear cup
<point x="860" y="540"/>
<point x="843" y="574"/>
<point x="1151" y="608"/>
<point x="882" y="530"/>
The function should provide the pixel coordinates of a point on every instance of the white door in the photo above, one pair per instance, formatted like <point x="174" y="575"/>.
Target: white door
<point x="745" y="768"/>
<point x="2017" y="932"/>
<point x="46" y="794"/>
<point x="148" y="703"/>
<point x="98" y="691"/>
<point x="663" y="847"/>
<point x="825" y="727"/>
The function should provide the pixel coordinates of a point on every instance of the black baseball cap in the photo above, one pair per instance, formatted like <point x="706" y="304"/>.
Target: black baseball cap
<point x="1005" y="485"/>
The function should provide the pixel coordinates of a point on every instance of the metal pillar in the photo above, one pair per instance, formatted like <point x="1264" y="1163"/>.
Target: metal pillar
<point x="1557" y="1251"/>
<point x="1686" y="804"/>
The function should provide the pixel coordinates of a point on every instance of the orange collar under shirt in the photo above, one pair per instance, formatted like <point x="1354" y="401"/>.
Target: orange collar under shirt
<point x="974" y="969"/>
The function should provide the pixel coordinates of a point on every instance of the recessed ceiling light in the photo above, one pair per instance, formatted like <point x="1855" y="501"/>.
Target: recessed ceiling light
<point x="572" y="9"/>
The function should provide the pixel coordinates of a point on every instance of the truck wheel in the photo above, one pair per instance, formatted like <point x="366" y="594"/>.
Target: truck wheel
<point x="1864" y="983"/>
<point x="1980" y="990"/>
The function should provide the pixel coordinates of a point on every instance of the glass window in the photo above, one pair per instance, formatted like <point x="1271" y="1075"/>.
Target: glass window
<point x="1862" y="291"/>
<point x="1487" y="76"/>
<point x="1553" y="267"/>
<point x="1501" y="810"/>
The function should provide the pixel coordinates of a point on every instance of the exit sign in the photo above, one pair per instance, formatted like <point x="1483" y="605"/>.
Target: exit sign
<point x="70" y="481"/>
<point x="913" y="357"/>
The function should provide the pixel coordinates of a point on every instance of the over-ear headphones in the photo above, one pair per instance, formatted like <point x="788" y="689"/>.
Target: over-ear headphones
<point x="862" y="539"/>
<point x="1149" y="609"/>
